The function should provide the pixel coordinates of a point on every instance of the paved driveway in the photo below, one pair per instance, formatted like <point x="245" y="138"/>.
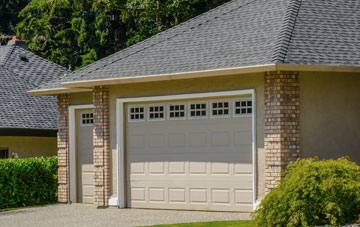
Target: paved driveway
<point x="87" y="215"/>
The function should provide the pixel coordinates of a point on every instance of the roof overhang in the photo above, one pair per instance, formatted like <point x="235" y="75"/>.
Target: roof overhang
<point x="56" y="91"/>
<point x="86" y="85"/>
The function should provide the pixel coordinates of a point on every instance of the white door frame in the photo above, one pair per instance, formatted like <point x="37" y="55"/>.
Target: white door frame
<point x="120" y="134"/>
<point x="72" y="147"/>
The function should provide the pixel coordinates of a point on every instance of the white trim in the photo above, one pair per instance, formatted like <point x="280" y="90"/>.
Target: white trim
<point x="198" y="117"/>
<point x="156" y="105"/>
<point x="72" y="147"/>
<point x="136" y="120"/>
<point x="176" y="104"/>
<point x="221" y="101"/>
<point x="120" y="129"/>
<point x="113" y="201"/>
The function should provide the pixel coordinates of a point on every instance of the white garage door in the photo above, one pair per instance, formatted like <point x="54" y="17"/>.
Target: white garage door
<point x="193" y="155"/>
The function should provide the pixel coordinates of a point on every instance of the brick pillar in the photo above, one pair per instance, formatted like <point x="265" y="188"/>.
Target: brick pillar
<point x="282" y="135"/>
<point x="63" y="148"/>
<point x="101" y="145"/>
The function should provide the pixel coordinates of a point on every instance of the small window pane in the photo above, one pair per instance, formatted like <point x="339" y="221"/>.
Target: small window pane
<point x="176" y="111"/>
<point x="136" y="113"/>
<point x="87" y="119"/>
<point x="243" y="107"/>
<point x="220" y="109"/>
<point x="156" y="112"/>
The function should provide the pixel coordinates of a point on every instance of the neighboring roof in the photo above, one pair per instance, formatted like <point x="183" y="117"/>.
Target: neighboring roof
<point x="241" y="33"/>
<point x="17" y="108"/>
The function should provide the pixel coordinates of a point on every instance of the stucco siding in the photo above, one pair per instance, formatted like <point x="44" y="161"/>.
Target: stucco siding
<point x="27" y="147"/>
<point x="84" y="98"/>
<point x="226" y="83"/>
<point x="330" y="115"/>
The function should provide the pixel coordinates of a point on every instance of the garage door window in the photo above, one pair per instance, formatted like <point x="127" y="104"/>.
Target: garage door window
<point x="197" y="110"/>
<point x="243" y="107"/>
<point x="87" y="119"/>
<point x="136" y="113"/>
<point x="156" y="112"/>
<point x="176" y="111"/>
<point x="220" y="109"/>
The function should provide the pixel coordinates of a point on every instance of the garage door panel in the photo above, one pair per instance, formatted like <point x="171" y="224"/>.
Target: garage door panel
<point x="196" y="164"/>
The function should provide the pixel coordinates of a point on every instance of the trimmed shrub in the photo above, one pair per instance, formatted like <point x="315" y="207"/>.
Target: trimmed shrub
<point x="28" y="182"/>
<point x="313" y="193"/>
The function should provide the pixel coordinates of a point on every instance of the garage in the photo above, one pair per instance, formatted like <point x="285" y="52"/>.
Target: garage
<point x="190" y="154"/>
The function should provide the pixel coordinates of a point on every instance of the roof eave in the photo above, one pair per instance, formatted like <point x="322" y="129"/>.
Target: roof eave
<point x="85" y="86"/>
<point x="317" y="68"/>
<point x="56" y="91"/>
<point x="173" y="76"/>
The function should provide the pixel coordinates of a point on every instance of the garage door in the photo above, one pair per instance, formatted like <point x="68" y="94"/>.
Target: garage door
<point x="84" y="156"/>
<point x="193" y="155"/>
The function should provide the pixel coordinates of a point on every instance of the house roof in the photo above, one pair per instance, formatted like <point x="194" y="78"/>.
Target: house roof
<point x="240" y="33"/>
<point x="17" y="108"/>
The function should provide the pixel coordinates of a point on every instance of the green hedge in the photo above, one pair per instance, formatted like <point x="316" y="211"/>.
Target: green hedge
<point x="28" y="182"/>
<point x="313" y="193"/>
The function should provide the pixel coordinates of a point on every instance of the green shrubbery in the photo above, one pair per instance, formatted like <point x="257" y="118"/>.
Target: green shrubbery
<point x="27" y="182"/>
<point x="313" y="193"/>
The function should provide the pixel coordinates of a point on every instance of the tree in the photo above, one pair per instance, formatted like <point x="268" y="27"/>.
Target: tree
<point x="149" y="17"/>
<point x="75" y="33"/>
<point x="9" y="10"/>
<point x="72" y="33"/>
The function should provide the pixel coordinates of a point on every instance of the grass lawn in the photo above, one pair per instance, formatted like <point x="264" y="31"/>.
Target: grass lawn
<point x="211" y="224"/>
<point x="19" y="208"/>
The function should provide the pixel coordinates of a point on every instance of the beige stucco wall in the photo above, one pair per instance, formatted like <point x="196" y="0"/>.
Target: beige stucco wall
<point x="330" y="115"/>
<point x="27" y="146"/>
<point x="226" y="83"/>
<point x="81" y="98"/>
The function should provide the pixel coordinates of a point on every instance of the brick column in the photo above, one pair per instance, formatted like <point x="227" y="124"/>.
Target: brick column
<point x="282" y="135"/>
<point x="63" y="148"/>
<point x="101" y="145"/>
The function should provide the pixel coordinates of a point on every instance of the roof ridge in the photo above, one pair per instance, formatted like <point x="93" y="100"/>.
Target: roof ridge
<point x="7" y="55"/>
<point x="167" y="31"/>
<point x="286" y="32"/>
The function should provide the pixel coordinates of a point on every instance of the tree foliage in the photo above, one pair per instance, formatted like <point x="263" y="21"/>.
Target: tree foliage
<point x="9" y="10"/>
<point x="74" y="33"/>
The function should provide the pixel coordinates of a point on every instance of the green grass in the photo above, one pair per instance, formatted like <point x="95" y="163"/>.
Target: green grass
<point x="211" y="224"/>
<point x="18" y="208"/>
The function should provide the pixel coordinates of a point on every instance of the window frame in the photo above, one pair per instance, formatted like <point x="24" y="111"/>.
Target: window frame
<point x="129" y="113"/>
<point x="156" y="105"/>
<point x="82" y="124"/>
<point x="240" y="100"/>
<point x="176" y="118"/>
<point x="198" y="117"/>
<point x="217" y="101"/>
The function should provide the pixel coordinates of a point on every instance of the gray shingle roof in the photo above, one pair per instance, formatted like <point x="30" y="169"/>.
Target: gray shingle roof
<point x="17" y="108"/>
<point x="241" y="33"/>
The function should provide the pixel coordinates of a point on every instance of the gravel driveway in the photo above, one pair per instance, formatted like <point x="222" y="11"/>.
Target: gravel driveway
<point x="87" y="215"/>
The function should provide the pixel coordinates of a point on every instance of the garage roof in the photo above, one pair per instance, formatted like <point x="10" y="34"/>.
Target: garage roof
<point x="20" y="71"/>
<point x="240" y="33"/>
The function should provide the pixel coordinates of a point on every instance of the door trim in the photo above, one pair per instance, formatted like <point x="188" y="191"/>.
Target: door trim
<point x="120" y="134"/>
<point x="72" y="147"/>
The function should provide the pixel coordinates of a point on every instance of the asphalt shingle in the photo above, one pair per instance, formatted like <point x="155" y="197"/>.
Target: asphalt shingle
<point x="17" y="108"/>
